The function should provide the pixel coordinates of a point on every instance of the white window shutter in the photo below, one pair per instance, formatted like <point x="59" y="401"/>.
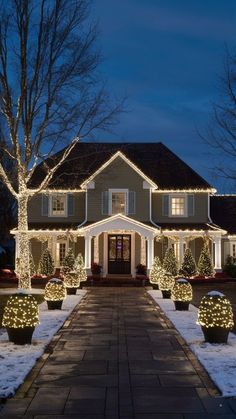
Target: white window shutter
<point x="131" y="202"/>
<point x="165" y="205"/>
<point x="45" y="204"/>
<point x="105" y="202"/>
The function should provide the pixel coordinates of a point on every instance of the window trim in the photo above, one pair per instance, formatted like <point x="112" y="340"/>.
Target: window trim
<point x="57" y="250"/>
<point x="232" y="244"/>
<point x="185" y="214"/>
<point x="118" y="190"/>
<point x="50" y="212"/>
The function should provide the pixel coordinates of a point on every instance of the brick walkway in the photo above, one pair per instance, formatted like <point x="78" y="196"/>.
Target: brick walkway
<point x="118" y="357"/>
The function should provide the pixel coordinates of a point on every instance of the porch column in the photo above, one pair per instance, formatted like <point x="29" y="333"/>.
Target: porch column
<point x="143" y="251"/>
<point x="217" y="242"/>
<point x="181" y="250"/>
<point x="87" y="253"/>
<point x="96" y="249"/>
<point x="150" y="252"/>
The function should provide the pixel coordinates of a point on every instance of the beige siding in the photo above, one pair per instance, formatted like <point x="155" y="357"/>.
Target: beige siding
<point x="137" y="248"/>
<point x="36" y="250"/>
<point x="35" y="210"/>
<point x="200" y="210"/>
<point x="79" y="246"/>
<point x="118" y="175"/>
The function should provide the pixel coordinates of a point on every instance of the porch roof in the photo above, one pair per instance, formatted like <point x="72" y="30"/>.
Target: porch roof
<point x="53" y="226"/>
<point x="189" y="227"/>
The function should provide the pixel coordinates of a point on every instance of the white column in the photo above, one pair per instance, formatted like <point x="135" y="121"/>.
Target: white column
<point x="150" y="252"/>
<point x="181" y="250"/>
<point x="143" y="251"/>
<point x="217" y="242"/>
<point x="87" y="253"/>
<point x="96" y="249"/>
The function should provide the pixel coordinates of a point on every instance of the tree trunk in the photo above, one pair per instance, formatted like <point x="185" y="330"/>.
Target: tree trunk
<point x="23" y="263"/>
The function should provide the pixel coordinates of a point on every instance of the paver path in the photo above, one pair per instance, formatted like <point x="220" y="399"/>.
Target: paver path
<point x="118" y="357"/>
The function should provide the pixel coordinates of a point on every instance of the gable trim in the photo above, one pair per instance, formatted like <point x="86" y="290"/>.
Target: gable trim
<point x="108" y="162"/>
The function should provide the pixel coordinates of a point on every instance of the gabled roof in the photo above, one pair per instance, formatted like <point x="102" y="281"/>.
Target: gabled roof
<point x="154" y="160"/>
<point x="223" y="212"/>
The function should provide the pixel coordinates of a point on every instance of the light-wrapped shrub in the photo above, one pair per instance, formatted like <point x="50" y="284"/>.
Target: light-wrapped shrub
<point x="215" y="316"/>
<point x="20" y="317"/>
<point x="166" y="283"/>
<point x="72" y="282"/>
<point x="68" y="262"/>
<point x="21" y="311"/>
<point x="79" y="268"/>
<point x="182" y="290"/>
<point x="55" y="290"/>
<point x="156" y="271"/>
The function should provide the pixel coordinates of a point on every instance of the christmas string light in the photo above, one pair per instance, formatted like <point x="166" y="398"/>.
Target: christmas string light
<point x="182" y="290"/>
<point x="55" y="290"/>
<point x="215" y="311"/>
<point x="21" y="311"/>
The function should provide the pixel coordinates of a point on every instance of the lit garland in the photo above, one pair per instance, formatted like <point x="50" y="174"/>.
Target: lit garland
<point x="72" y="280"/>
<point x="166" y="282"/>
<point x="182" y="291"/>
<point x="21" y="311"/>
<point x="215" y="311"/>
<point x="55" y="290"/>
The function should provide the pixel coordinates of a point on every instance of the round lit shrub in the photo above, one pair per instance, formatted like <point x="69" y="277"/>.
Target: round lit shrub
<point x="182" y="290"/>
<point x="21" y="311"/>
<point x="55" y="290"/>
<point x="72" y="280"/>
<point x="215" y="311"/>
<point x="166" y="281"/>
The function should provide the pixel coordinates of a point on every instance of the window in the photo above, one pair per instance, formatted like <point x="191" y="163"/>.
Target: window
<point x="61" y="252"/>
<point x="58" y="205"/>
<point x="177" y="206"/>
<point x="118" y="204"/>
<point x="233" y="250"/>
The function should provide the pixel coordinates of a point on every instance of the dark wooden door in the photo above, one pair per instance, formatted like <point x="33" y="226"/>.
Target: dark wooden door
<point x="119" y="253"/>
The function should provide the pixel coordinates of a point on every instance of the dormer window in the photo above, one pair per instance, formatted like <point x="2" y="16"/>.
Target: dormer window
<point x="58" y="205"/>
<point x="177" y="206"/>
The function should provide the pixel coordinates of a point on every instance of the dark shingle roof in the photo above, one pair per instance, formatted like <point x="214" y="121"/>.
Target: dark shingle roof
<point x="155" y="160"/>
<point x="223" y="212"/>
<point x="53" y="226"/>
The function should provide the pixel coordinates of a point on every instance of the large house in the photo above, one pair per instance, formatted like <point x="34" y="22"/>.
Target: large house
<point x="121" y="204"/>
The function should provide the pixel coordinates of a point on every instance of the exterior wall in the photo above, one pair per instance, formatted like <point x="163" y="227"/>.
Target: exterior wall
<point x="35" y="211"/>
<point x="137" y="239"/>
<point x="36" y="250"/>
<point x="200" y="210"/>
<point x="118" y="175"/>
<point x="158" y="249"/>
<point x="79" y="246"/>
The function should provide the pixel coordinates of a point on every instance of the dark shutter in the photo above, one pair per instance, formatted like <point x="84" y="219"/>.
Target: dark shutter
<point x="45" y="202"/>
<point x="165" y="205"/>
<point x="131" y="202"/>
<point x="70" y="203"/>
<point x="105" y="202"/>
<point x="190" y="205"/>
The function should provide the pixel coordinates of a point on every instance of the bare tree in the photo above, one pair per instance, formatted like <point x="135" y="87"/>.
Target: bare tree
<point x="50" y="92"/>
<point x="221" y="131"/>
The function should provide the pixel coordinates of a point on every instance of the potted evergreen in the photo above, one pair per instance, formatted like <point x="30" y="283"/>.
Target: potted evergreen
<point x="188" y="267"/>
<point x="170" y="262"/>
<point x="156" y="272"/>
<point x="79" y="268"/>
<point x="72" y="282"/>
<point x="55" y="293"/>
<point x="20" y="317"/>
<point x="215" y="317"/>
<point x="182" y="294"/>
<point x="166" y="283"/>
<point x="68" y="262"/>
<point x="46" y="264"/>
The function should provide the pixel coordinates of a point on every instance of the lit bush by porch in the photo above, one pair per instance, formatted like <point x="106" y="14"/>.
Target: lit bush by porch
<point x="166" y="281"/>
<point x="182" y="291"/>
<point x="72" y="280"/>
<point x="55" y="290"/>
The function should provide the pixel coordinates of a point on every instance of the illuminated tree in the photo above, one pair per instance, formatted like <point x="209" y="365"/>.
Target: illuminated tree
<point x="188" y="267"/>
<point x="68" y="262"/>
<point x="170" y="262"/>
<point x="32" y="264"/>
<point x="79" y="267"/>
<point x="46" y="264"/>
<point x="205" y="266"/>
<point x="51" y="92"/>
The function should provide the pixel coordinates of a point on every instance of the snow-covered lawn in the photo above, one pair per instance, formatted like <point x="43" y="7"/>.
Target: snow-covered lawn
<point x="218" y="359"/>
<point x="16" y="361"/>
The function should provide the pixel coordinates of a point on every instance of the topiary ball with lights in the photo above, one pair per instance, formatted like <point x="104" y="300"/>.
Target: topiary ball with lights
<point x="182" y="290"/>
<point x="21" y="311"/>
<point x="55" y="290"/>
<point x="72" y="280"/>
<point x="166" y="281"/>
<point x="215" y="316"/>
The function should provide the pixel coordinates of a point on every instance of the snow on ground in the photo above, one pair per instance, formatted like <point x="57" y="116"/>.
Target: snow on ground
<point x="218" y="359"/>
<point x="16" y="361"/>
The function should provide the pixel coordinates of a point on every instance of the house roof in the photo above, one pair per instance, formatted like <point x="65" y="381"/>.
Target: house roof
<point x="155" y="160"/>
<point x="189" y="226"/>
<point x="223" y="212"/>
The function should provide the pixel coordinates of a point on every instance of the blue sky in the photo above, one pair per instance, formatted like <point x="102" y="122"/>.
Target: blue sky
<point x="166" y="56"/>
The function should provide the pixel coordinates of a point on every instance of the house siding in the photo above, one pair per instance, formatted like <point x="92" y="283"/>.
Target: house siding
<point x="118" y="175"/>
<point x="200" y="210"/>
<point x="35" y="211"/>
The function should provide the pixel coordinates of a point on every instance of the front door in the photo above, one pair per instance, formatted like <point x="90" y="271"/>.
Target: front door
<point x="119" y="253"/>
